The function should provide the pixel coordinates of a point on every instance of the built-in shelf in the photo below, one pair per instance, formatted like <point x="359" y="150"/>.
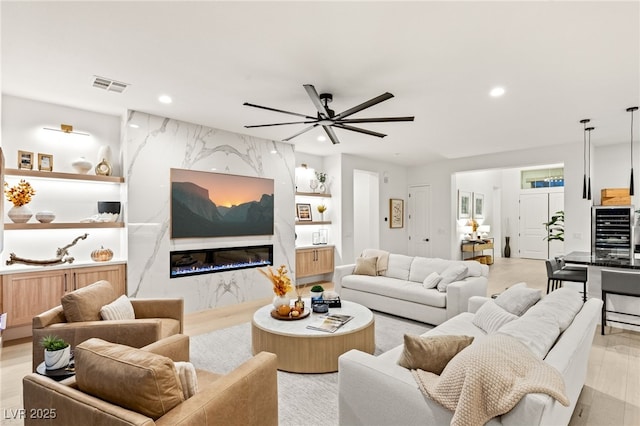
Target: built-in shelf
<point x="62" y="225"/>
<point x="309" y="222"/>
<point x="313" y="194"/>
<point x="59" y="175"/>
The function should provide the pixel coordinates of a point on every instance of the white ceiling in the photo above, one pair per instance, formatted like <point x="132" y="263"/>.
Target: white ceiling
<point x="558" y="61"/>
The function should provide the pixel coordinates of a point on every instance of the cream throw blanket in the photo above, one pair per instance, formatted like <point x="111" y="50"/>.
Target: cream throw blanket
<point x="488" y="379"/>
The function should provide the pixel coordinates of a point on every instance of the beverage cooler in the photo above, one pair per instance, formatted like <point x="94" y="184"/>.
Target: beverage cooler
<point x="612" y="232"/>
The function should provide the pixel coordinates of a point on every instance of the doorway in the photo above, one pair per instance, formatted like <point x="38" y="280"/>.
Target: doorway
<point x="366" y="210"/>
<point x="419" y="220"/>
<point x="535" y="211"/>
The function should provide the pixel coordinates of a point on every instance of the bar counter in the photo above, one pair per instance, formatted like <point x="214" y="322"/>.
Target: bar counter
<point x="586" y="258"/>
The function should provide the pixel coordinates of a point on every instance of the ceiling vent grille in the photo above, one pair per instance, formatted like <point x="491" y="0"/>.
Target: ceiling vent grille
<point x="108" y="84"/>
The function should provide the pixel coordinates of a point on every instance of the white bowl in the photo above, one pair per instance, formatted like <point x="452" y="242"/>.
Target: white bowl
<point x="45" y="216"/>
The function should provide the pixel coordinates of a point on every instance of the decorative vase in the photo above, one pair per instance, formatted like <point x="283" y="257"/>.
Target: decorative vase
<point x="20" y="214"/>
<point x="322" y="188"/>
<point x="54" y="360"/>
<point x="299" y="304"/>
<point x="507" y="249"/>
<point x="45" y="216"/>
<point x="281" y="300"/>
<point x="82" y="165"/>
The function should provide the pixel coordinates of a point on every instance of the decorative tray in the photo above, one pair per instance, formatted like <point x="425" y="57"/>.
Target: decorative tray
<point x="304" y="314"/>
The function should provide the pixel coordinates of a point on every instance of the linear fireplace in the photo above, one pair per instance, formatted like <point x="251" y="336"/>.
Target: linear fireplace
<point x="210" y="261"/>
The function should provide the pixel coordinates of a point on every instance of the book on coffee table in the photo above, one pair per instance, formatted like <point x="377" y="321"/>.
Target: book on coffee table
<point x="330" y="322"/>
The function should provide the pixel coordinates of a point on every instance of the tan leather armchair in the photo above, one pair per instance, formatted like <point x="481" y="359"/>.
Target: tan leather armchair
<point x="154" y="320"/>
<point x="246" y="396"/>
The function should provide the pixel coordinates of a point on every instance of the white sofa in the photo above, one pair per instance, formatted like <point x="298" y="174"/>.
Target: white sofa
<point x="375" y="390"/>
<point x="400" y="291"/>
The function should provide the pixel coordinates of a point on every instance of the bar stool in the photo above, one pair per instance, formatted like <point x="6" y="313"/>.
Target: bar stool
<point x="557" y="273"/>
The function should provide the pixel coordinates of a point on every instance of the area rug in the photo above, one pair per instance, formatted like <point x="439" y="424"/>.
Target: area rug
<point x="303" y="399"/>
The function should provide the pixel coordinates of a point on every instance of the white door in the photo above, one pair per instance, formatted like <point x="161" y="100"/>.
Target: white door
<point x="418" y="220"/>
<point x="366" y="218"/>
<point x="556" y="204"/>
<point x="534" y="212"/>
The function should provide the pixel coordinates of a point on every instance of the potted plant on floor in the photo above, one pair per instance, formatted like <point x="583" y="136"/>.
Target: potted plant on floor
<point x="57" y="352"/>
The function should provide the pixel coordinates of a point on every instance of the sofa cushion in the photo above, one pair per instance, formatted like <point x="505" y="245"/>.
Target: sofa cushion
<point x="383" y="259"/>
<point x="421" y="268"/>
<point x="397" y="289"/>
<point x="119" y="309"/>
<point x="431" y="353"/>
<point x="563" y="304"/>
<point x="84" y="304"/>
<point x="399" y="266"/>
<point x="491" y="317"/>
<point x="453" y="273"/>
<point x="518" y="298"/>
<point x="366" y="266"/>
<point x="537" y="330"/>
<point x="474" y="268"/>
<point x="105" y="370"/>
<point x="432" y="280"/>
<point x="188" y="378"/>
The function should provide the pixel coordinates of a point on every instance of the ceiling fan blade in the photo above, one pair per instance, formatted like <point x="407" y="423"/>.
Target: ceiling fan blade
<point x="315" y="98"/>
<point x="375" y="120"/>
<point x="367" y="104"/>
<point x="280" y="124"/>
<point x="331" y="134"/>
<point x="359" y="130"/>
<point x="278" y="110"/>
<point x="306" y="129"/>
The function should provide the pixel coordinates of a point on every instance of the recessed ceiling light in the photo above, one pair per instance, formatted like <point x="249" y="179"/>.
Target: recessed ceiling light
<point x="273" y="151"/>
<point x="497" y="92"/>
<point x="135" y="126"/>
<point x="322" y="138"/>
<point x="165" y="99"/>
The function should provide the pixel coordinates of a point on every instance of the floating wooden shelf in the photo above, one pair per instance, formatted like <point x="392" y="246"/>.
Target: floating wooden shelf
<point x="309" y="222"/>
<point x="59" y="175"/>
<point x="62" y="225"/>
<point x="312" y="194"/>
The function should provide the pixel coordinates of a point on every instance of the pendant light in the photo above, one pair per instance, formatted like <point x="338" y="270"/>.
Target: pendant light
<point x="584" y="122"/>
<point x="631" y="110"/>
<point x="589" y="129"/>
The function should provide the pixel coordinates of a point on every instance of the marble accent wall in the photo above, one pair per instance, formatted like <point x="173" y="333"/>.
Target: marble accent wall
<point x="158" y="144"/>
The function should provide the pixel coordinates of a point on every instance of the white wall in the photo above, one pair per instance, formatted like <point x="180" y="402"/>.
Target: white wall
<point x="366" y="233"/>
<point x="158" y="145"/>
<point x="440" y="176"/>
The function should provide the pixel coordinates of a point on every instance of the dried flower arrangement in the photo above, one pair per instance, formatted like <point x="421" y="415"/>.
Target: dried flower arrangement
<point x="322" y="208"/>
<point x="19" y="194"/>
<point x="281" y="282"/>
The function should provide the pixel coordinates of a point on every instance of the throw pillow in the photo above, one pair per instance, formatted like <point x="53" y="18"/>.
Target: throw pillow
<point x="132" y="378"/>
<point x="383" y="259"/>
<point x="84" y="304"/>
<point x="453" y="273"/>
<point x="432" y="280"/>
<point x="366" y="266"/>
<point x="518" y="298"/>
<point x="188" y="378"/>
<point x="119" y="309"/>
<point x="563" y="304"/>
<point x="490" y="317"/>
<point x="535" y="330"/>
<point x="431" y="353"/>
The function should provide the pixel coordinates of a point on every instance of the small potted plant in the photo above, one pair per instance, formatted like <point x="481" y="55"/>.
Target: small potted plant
<point x="57" y="352"/>
<point x="316" y="292"/>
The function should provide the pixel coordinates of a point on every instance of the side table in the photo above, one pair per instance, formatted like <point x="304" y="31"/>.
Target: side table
<point x="58" y="374"/>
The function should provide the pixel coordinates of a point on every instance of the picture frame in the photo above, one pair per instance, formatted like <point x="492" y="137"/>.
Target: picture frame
<point x="45" y="162"/>
<point x="25" y="160"/>
<point x="464" y="204"/>
<point x="303" y="211"/>
<point x="478" y="205"/>
<point x="396" y="213"/>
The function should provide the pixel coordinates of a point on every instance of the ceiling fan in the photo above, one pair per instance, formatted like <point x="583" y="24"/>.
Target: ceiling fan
<point x="327" y="118"/>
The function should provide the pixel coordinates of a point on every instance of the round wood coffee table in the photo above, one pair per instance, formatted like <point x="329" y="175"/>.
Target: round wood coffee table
<point x="303" y="350"/>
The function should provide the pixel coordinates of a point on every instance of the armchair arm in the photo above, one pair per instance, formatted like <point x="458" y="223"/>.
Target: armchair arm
<point x="175" y="347"/>
<point x="160" y="308"/>
<point x="341" y="272"/>
<point x="47" y="318"/>
<point x="254" y="384"/>
<point x="135" y="333"/>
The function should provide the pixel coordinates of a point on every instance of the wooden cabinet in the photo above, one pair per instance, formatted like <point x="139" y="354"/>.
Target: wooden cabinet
<point x="314" y="261"/>
<point x="27" y="294"/>
<point x="476" y="249"/>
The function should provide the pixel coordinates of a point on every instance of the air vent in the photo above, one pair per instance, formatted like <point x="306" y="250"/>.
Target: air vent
<point x="108" y="84"/>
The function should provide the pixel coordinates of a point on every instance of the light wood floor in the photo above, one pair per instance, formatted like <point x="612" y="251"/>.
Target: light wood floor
<point x="611" y="395"/>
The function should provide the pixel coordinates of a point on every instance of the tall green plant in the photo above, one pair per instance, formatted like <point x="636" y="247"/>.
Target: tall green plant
<point x="555" y="227"/>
